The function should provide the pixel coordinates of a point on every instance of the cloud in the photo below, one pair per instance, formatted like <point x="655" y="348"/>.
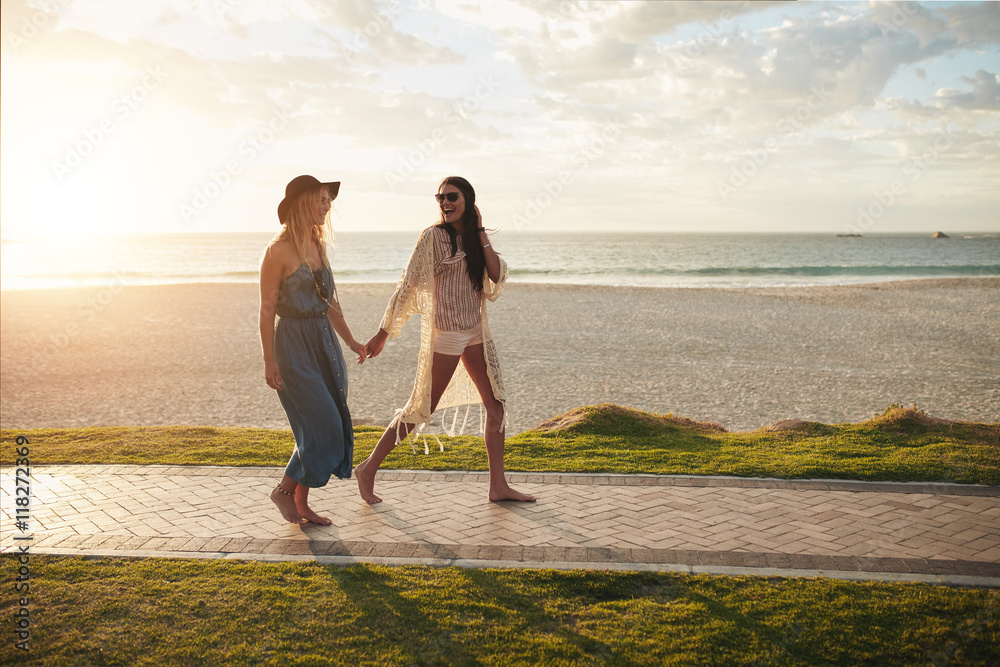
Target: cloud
<point x="274" y="59"/>
<point x="382" y="87"/>
<point x="985" y="93"/>
<point x="730" y="73"/>
<point x="640" y="21"/>
<point x="973" y="25"/>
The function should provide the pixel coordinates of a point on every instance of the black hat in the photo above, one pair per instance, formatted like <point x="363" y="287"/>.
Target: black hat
<point x="300" y="184"/>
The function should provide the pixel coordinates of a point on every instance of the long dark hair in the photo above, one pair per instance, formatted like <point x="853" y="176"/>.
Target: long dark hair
<point x="475" y="258"/>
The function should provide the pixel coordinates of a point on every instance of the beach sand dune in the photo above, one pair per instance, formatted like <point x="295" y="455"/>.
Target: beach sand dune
<point x="189" y="354"/>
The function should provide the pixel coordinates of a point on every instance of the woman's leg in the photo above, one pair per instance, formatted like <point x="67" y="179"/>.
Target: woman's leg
<point x="442" y="368"/>
<point x="285" y="496"/>
<point x="475" y="363"/>
<point x="302" y="505"/>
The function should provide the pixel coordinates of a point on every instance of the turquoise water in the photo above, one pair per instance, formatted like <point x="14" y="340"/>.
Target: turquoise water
<point x="659" y="260"/>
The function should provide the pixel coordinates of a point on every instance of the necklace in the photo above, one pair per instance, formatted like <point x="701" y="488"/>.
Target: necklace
<point x="321" y="289"/>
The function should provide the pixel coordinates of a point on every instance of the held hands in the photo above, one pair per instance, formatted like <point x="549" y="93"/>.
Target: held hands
<point x="376" y="343"/>
<point x="360" y="350"/>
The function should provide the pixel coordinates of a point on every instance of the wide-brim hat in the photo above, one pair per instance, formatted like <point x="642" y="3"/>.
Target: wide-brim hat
<point x="300" y="184"/>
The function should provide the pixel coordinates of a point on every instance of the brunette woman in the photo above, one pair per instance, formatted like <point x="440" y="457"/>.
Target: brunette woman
<point x="453" y="271"/>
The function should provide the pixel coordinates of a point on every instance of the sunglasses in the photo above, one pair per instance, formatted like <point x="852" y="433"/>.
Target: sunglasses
<point x="320" y="286"/>
<point x="451" y="196"/>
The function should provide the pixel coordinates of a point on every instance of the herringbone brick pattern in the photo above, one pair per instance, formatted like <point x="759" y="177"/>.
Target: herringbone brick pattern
<point x="578" y="518"/>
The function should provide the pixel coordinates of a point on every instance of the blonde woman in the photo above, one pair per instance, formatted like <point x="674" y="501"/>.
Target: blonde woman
<point x="303" y="361"/>
<point x="453" y="271"/>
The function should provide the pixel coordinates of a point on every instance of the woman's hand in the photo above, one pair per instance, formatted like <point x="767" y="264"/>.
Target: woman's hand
<point x="271" y="375"/>
<point x="484" y="239"/>
<point x="479" y="225"/>
<point x="492" y="261"/>
<point x="376" y="343"/>
<point x="360" y="350"/>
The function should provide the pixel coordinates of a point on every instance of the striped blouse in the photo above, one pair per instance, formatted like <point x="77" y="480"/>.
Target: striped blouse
<point x="456" y="301"/>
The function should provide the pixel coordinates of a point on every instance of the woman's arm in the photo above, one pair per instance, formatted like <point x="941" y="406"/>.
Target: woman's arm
<point x="336" y="317"/>
<point x="492" y="259"/>
<point x="272" y="270"/>
<point x="401" y="304"/>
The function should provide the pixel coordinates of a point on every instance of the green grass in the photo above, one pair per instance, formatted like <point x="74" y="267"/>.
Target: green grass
<point x="209" y="612"/>
<point x="185" y="612"/>
<point x="898" y="445"/>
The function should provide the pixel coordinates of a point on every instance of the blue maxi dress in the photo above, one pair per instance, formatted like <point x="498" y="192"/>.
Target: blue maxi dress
<point x="313" y="380"/>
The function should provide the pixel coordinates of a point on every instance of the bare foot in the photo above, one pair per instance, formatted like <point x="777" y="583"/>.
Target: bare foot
<point x="286" y="505"/>
<point x="312" y="517"/>
<point x="366" y="484"/>
<point x="510" y="494"/>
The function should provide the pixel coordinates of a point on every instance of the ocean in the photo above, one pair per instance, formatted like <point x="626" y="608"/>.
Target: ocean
<point x="622" y="259"/>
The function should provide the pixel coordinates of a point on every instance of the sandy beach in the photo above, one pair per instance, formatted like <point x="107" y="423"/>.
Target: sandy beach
<point x="189" y="354"/>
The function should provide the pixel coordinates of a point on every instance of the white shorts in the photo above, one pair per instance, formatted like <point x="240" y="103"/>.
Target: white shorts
<point x="454" y="342"/>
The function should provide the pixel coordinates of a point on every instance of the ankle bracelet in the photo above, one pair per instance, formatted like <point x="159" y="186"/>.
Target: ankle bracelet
<point x="287" y="493"/>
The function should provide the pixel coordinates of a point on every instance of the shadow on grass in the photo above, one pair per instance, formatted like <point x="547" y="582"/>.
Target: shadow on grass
<point x="556" y="635"/>
<point x="398" y="622"/>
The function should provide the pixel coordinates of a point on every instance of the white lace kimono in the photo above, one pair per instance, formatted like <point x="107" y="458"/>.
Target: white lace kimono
<point x="415" y="294"/>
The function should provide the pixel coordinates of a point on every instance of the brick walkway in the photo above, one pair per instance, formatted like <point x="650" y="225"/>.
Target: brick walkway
<point x="855" y="530"/>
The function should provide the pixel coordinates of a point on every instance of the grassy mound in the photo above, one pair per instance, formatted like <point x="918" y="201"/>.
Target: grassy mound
<point x="898" y="417"/>
<point x="610" y="419"/>
<point x="912" y="422"/>
<point x="898" y="445"/>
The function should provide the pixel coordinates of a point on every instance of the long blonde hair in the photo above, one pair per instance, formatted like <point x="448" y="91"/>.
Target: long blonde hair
<point x="299" y="229"/>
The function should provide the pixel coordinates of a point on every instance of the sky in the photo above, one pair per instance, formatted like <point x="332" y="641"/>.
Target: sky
<point x="192" y="115"/>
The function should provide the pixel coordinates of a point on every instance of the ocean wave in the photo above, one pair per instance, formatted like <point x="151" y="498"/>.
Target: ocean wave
<point x="801" y="271"/>
<point x="586" y="259"/>
<point x="871" y="270"/>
